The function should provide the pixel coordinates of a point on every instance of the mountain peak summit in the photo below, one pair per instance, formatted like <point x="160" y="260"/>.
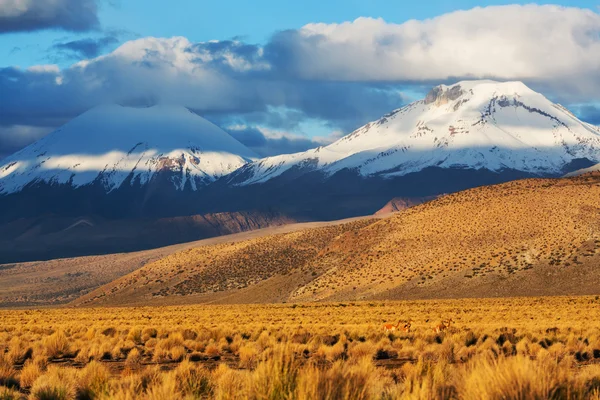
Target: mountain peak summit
<point x="480" y="125"/>
<point x="113" y="144"/>
<point x="443" y="94"/>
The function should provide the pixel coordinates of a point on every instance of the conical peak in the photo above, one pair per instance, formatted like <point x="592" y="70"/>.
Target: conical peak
<point x="443" y="94"/>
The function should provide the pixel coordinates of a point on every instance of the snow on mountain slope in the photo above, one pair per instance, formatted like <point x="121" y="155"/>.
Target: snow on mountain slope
<point x="109" y="144"/>
<point x="472" y="124"/>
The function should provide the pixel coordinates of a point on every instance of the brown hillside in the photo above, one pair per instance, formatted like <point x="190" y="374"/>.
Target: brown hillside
<point x="402" y="203"/>
<point x="60" y="281"/>
<point x="526" y="237"/>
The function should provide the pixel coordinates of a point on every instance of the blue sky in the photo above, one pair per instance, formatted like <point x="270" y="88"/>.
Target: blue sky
<point x="282" y="76"/>
<point x="254" y="21"/>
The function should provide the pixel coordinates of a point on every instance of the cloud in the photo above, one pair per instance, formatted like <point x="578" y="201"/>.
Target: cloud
<point x="342" y="75"/>
<point x="32" y="15"/>
<point x="268" y="142"/>
<point x="553" y="49"/>
<point x="15" y="137"/>
<point x="84" y="48"/>
<point x="589" y="113"/>
<point x="530" y="42"/>
<point x="212" y="78"/>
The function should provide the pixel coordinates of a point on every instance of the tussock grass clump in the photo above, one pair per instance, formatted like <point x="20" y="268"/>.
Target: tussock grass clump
<point x="276" y="377"/>
<point x="8" y="374"/>
<point x="9" y="394"/>
<point x="523" y="378"/>
<point x="360" y="381"/>
<point x="192" y="380"/>
<point x="56" y="384"/>
<point x="92" y="381"/>
<point x="32" y="369"/>
<point x="134" y="357"/>
<point x="56" y="345"/>
<point x="248" y="356"/>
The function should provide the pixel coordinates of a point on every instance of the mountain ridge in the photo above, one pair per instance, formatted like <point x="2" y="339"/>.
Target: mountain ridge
<point x="471" y="124"/>
<point x="470" y="134"/>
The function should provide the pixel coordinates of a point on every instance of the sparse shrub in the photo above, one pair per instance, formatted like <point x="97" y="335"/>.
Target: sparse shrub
<point x="292" y="353"/>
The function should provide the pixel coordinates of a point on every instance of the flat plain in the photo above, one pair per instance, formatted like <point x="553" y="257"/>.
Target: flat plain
<point x="521" y="348"/>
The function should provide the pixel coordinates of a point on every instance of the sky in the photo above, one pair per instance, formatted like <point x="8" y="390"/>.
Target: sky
<point x="282" y="76"/>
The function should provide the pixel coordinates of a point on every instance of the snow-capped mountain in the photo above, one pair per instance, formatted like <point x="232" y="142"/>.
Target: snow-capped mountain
<point x="117" y="162"/>
<point x="113" y="146"/>
<point x="477" y="125"/>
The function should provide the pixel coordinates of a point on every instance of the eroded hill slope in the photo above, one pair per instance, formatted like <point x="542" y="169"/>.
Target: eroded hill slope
<point x="537" y="236"/>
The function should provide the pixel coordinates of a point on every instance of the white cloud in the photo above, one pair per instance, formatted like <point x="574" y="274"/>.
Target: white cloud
<point x="506" y="41"/>
<point x="339" y="74"/>
<point x="44" y="68"/>
<point x="530" y="42"/>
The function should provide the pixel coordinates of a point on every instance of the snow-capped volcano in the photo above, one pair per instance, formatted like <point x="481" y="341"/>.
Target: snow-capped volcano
<point x="479" y="125"/>
<point x="114" y="145"/>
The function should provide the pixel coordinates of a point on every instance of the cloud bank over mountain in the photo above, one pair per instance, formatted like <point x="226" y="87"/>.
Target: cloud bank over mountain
<point x="339" y="74"/>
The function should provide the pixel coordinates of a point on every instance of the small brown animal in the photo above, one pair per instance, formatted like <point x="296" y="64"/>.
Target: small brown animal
<point x="390" y="327"/>
<point x="406" y="327"/>
<point x="443" y="326"/>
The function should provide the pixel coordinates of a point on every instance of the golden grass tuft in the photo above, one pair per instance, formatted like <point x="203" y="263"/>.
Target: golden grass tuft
<point x="32" y="369"/>
<point x="9" y="394"/>
<point x="56" y="345"/>
<point x="56" y="384"/>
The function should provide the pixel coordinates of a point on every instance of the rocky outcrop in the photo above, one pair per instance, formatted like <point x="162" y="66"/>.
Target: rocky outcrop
<point x="440" y="95"/>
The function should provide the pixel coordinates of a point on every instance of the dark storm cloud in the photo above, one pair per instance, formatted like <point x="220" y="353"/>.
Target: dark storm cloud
<point x="33" y="15"/>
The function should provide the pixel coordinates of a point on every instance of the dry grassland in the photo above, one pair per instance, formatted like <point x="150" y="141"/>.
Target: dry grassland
<point x="528" y="237"/>
<point x="519" y="348"/>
